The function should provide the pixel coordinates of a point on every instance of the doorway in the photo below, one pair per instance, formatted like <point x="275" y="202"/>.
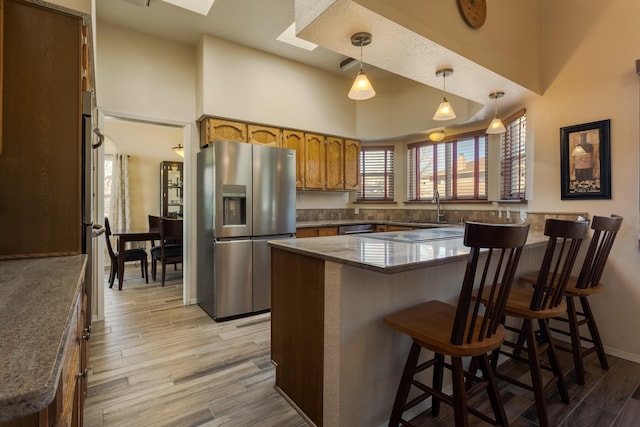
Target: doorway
<point x="146" y="143"/>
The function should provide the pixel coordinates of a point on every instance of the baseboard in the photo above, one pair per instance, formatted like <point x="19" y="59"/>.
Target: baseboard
<point x="622" y="354"/>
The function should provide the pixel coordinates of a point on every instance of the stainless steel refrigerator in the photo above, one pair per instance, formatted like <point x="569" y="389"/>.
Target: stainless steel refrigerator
<point x="246" y="197"/>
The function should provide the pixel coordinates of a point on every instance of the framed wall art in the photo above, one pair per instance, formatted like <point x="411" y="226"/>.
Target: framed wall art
<point x="585" y="161"/>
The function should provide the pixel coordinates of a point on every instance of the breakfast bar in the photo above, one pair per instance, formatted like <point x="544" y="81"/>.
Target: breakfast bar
<point x="336" y="362"/>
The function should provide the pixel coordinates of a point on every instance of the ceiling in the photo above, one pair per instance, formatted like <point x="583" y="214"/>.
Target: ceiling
<point x="257" y="24"/>
<point x="252" y="23"/>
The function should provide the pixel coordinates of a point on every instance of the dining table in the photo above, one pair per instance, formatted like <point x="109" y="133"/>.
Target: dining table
<point x="132" y="235"/>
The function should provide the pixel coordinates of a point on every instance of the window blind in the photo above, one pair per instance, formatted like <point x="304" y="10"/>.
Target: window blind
<point x="376" y="174"/>
<point x="513" y="148"/>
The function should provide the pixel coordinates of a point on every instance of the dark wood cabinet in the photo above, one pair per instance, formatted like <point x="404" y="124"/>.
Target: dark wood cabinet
<point x="40" y="163"/>
<point x="171" y="189"/>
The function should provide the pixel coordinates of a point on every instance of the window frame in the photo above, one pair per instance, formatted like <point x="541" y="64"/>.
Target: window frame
<point x="388" y="174"/>
<point x="516" y="123"/>
<point x="480" y="138"/>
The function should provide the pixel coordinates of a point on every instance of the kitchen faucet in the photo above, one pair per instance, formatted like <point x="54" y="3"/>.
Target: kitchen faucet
<point x="436" y="200"/>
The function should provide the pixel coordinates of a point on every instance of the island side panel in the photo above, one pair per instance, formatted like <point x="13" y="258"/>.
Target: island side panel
<point x="297" y="329"/>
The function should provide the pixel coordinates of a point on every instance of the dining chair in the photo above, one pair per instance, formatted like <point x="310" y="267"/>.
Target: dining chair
<point x="154" y="225"/>
<point x="534" y="306"/>
<point x="460" y="330"/>
<point x="136" y="254"/>
<point x="170" y="245"/>
<point x="580" y="287"/>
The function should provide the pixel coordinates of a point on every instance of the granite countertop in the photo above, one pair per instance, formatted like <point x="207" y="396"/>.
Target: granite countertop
<point x="37" y="297"/>
<point x="391" y="252"/>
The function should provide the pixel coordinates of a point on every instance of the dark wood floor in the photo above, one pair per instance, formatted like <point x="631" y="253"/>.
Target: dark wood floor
<point x="155" y="362"/>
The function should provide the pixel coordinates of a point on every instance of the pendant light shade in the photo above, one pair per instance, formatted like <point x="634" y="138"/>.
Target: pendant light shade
<point x="179" y="150"/>
<point x="496" y="126"/>
<point x="361" y="88"/>
<point x="444" y="111"/>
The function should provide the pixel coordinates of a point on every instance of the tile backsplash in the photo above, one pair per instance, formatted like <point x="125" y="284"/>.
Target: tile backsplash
<point x="499" y="216"/>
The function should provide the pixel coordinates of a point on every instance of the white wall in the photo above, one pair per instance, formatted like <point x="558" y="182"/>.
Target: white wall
<point x="144" y="76"/>
<point x="590" y="51"/>
<point x="249" y="85"/>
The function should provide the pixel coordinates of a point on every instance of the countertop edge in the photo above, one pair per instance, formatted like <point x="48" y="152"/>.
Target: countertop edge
<point x="532" y="242"/>
<point x="39" y="396"/>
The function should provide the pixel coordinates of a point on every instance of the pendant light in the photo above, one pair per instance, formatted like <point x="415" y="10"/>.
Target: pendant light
<point x="496" y="126"/>
<point x="179" y="150"/>
<point x="444" y="111"/>
<point x="361" y="88"/>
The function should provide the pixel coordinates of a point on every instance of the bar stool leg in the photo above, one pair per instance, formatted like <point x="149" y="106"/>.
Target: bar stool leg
<point x="553" y="360"/>
<point x="460" y="409"/>
<point x="405" y="385"/>
<point x="595" y="334"/>
<point x="576" y="348"/>
<point x="536" y="375"/>
<point x="492" y="389"/>
<point x="438" y="373"/>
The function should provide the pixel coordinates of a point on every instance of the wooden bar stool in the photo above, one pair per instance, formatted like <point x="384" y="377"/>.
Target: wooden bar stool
<point x="460" y="331"/>
<point x="536" y="306"/>
<point x="586" y="283"/>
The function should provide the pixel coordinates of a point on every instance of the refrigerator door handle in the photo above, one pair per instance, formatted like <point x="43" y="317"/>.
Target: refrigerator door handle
<point x="100" y="134"/>
<point x="97" y="230"/>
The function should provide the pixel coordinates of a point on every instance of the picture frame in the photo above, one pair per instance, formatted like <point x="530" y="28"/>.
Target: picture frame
<point x="585" y="161"/>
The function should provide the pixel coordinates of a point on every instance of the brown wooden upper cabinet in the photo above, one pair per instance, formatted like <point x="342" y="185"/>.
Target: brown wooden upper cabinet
<point x="41" y="164"/>
<point x="217" y="129"/>
<point x="294" y="140"/>
<point x="322" y="162"/>
<point x="351" y="164"/>
<point x="314" y="161"/>
<point x="334" y="163"/>
<point x="265" y="135"/>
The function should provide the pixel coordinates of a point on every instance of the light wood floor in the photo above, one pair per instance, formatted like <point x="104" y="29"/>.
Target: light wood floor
<point x="155" y="362"/>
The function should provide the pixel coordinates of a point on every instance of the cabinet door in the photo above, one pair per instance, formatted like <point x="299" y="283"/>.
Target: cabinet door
<point x="306" y="232"/>
<point x="41" y="164"/>
<point x="294" y="140"/>
<point x="314" y="161"/>
<point x="335" y="163"/>
<point x="265" y="135"/>
<point x="327" y="231"/>
<point x="217" y="129"/>
<point x="351" y="164"/>
<point x="171" y="189"/>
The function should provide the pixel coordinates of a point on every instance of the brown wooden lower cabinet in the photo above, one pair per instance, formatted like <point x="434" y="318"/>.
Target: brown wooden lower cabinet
<point x="297" y="292"/>
<point x="316" y="232"/>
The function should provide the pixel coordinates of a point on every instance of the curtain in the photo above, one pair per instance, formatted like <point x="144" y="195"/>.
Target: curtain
<point x="120" y="208"/>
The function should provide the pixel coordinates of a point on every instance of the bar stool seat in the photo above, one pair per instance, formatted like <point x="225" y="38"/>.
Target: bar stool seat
<point x="580" y="287"/>
<point x="458" y="331"/>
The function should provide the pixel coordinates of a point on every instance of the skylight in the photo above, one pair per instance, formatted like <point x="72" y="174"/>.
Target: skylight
<point x="198" y="6"/>
<point x="289" y="36"/>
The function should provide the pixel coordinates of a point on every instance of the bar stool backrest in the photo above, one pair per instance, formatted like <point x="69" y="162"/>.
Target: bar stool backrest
<point x="605" y="230"/>
<point x="504" y="243"/>
<point x="560" y="255"/>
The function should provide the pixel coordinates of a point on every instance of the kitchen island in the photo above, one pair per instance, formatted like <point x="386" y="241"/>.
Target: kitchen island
<point x="336" y="362"/>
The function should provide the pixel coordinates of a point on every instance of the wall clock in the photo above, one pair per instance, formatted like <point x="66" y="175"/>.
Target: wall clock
<point x="474" y="12"/>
